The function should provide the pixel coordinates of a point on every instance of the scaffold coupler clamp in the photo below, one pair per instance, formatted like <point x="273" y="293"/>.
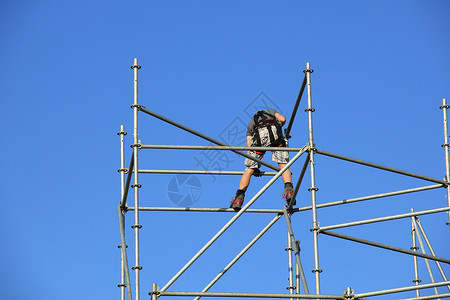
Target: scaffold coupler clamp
<point x="137" y="105"/>
<point x="349" y="293"/>
<point x="444" y="106"/>
<point x="155" y="292"/>
<point x="308" y="70"/>
<point x="135" y="66"/>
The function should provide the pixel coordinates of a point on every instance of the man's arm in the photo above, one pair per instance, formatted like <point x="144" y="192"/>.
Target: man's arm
<point x="280" y="118"/>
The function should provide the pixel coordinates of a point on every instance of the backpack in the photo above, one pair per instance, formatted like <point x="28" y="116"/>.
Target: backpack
<point x="264" y="119"/>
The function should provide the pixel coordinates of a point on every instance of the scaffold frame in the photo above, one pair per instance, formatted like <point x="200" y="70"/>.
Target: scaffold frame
<point x="130" y="178"/>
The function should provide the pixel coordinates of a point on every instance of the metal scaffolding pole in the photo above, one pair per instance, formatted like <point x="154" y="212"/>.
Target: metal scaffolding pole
<point x="353" y="200"/>
<point x="398" y="290"/>
<point x="289" y="250"/>
<point x="422" y="248"/>
<point x="209" y="147"/>
<point x="446" y="145"/>
<point x="207" y="209"/>
<point x="300" y="178"/>
<point x="375" y="220"/>
<point x="429" y="297"/>
<point x="313" y="189"/>
<point x="240" y="254"/>
<point x="123" y="250"/>
<point x="248" y="295"/>
<point x="415" y="248"/>
<point x="294" y="111"/>
<point x="229" y="223"/>
<point x="431" y="249"/>
<point x="379" y="245"/>
<point x="201" y="172"/>
<point x="296" y="251"/>
<point x="122" y="284"/>
<point x="366" y="163"/>
<point x="127" y="184"/>
<point x="136" y="184"/>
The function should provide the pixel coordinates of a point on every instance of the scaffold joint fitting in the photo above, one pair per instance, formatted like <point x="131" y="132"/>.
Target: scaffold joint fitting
<point x="137" y="105"/>
<point x="291" y="287"/>
<point x="122" y="285"/>
<point x="120" y="246"/>
<point x="122" y="132"/>
<point x="317" y="271"/>
<point x="444" y="106"/>
<point x="135" y="66"/>
<point x="417" y="280"/>
<point x="125" y="170"/>
<point x="313" y="189"/>
<point x="414" y="248"/>
<point x="136" y="226"/>
<point x="289" y="249"/>
<point x="445" y="145"/>
<point x="139" y="146"/>
<point x="136" y="185"/>
<point x="310" y="109"/>
<point x="308" y="70"/>
<point x="136" y="268"/>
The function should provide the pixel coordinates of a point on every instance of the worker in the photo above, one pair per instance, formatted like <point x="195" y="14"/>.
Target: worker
<point x="264" y="129"/>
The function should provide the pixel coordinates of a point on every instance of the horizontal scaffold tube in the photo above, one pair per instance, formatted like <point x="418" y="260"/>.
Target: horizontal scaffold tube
<point x="200" y="172"/>
<point x="214" y="141"/>
<point x="366" y="163"/>
<point x="200" y="147"/>
<point x="207" y="209"/>
<point x="379" y="245"/>
<point x="382" y="219"/>
<point x="299" y="209"/>
<point x="402" y="289"/>
<point x="249" y="295"/>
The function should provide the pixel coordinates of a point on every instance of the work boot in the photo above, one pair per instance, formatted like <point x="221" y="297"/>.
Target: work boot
<point x="238" y="200"/>
<point x="289" y="193"/>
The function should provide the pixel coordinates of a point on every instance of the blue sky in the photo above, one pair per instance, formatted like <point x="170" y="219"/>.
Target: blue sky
<point x="381" y="69"/>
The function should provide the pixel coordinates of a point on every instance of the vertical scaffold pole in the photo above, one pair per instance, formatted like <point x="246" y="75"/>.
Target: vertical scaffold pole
<point x="313" y="189"/>
<point x="446" y="145"/>
<point x="415" y="248"/>
<point x="289" y="250"/>
<point x="136" y="184"/>
<point x="122" y="134"/>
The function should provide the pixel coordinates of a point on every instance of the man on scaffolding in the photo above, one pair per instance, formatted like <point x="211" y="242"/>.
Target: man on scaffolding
<point x="264" y="129"/>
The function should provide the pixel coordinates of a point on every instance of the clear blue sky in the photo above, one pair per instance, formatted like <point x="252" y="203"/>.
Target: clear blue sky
<point x="381" y="69"/>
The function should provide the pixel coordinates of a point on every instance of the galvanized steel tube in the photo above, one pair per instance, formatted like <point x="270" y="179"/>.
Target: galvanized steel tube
<point x="200" y="172"/>
<point x="229" y="223"/>
<point x="422" y="248"/>
<point x="289" y="250"/>
<point x="401" y="289"/>
<point x="366" y="163"/>
<point x="431" y="249"/>
<point x="123" y="249"/>
<point x="249" y="295"/>
<point x="446" y="146"/>
<point x="136" y="185"/>
<point x="220" y="148"/>
<point x="414" y="248"/>
<point x="294" y="111"/>
<point x="313" y="187"/>
<point x="388" y="218"/>
<point x="122" y="134"/>
<point x="296" y="251"/>
<point x="379" y="245"/>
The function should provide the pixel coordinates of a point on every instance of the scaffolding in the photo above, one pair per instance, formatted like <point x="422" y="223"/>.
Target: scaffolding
<point x="296" y="276"/>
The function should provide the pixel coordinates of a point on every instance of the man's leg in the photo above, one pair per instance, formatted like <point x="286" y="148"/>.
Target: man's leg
<point x="245" y="179"/>
<point x="287" y="176"/>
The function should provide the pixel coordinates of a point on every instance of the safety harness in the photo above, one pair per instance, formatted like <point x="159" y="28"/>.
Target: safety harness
<point x="263" y="119"/>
